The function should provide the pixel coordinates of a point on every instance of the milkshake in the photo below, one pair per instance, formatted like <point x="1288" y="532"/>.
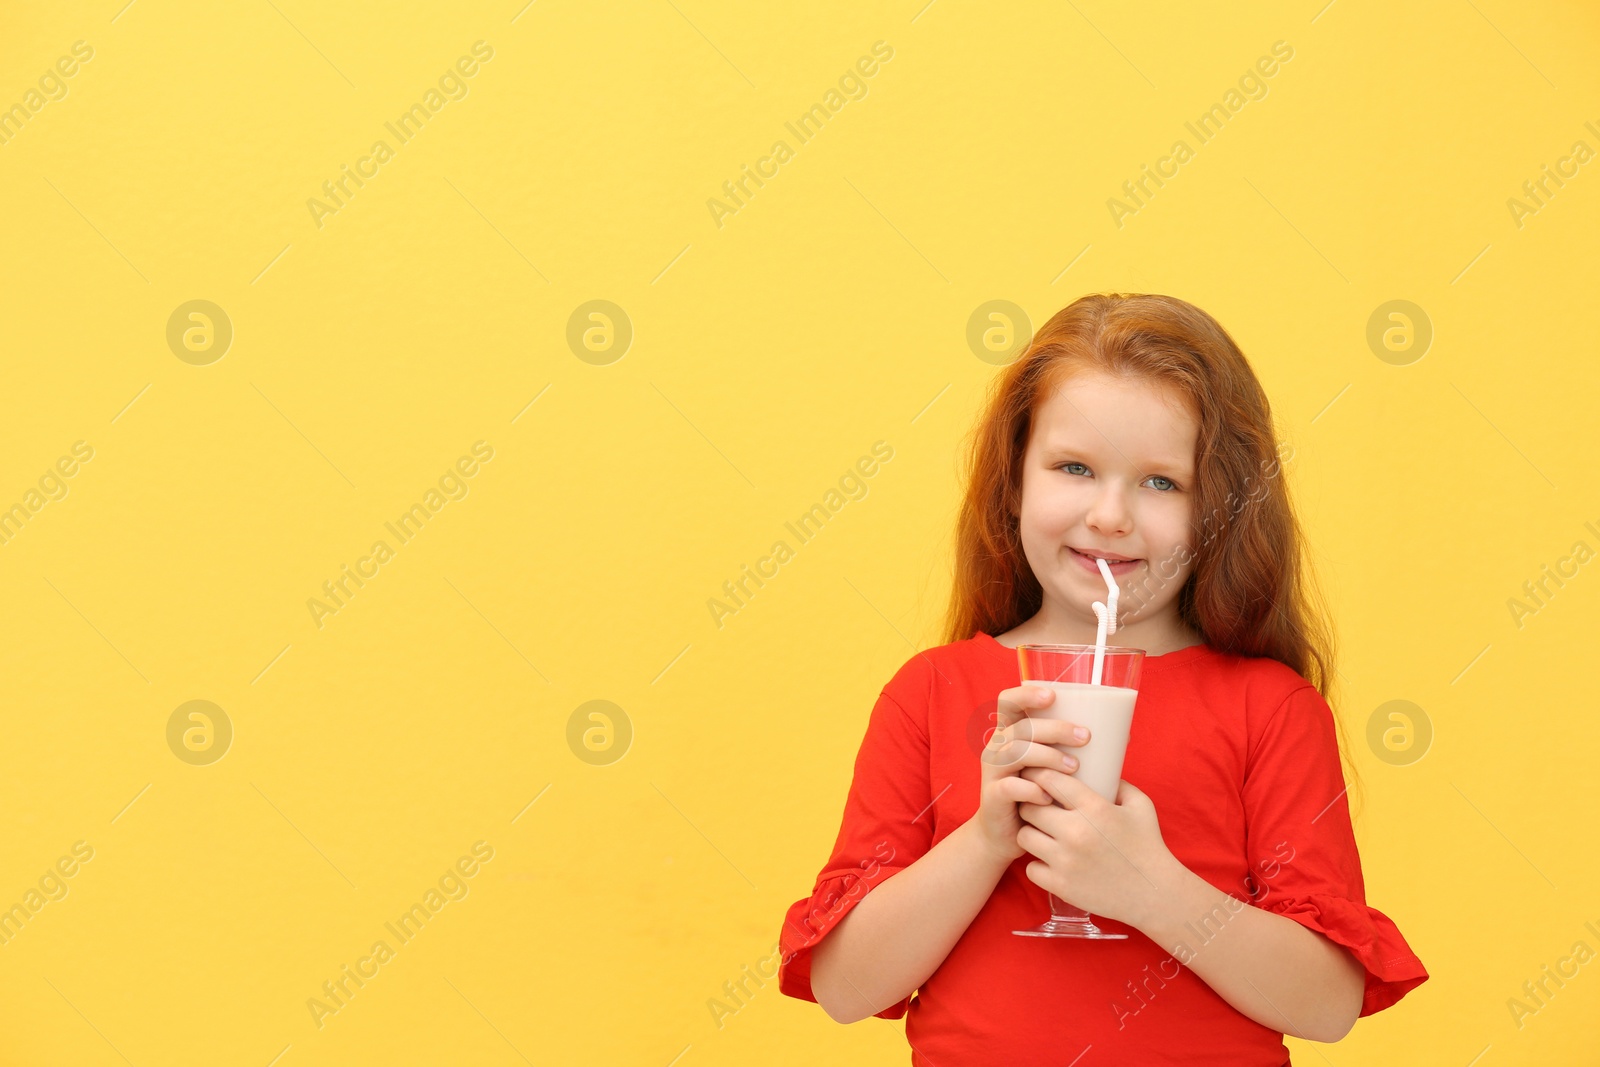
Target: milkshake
<point x="1107" y="712"/>
<point x="1095" y="687"/>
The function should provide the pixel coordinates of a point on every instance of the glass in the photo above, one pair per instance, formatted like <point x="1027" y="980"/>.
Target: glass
<point x="1107" y="710"/>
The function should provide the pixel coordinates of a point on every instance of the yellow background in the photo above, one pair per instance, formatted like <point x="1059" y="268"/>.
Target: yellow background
<point x="768" y="355"/>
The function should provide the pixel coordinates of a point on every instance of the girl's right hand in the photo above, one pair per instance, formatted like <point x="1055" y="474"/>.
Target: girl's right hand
<point x="1019" y="741"/>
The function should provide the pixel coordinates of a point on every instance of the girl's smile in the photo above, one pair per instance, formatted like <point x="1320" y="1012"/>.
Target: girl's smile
<point x="1118" y="567"/>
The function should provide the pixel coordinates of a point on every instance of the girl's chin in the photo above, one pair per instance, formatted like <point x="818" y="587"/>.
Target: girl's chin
<point x="1073" y="605"/>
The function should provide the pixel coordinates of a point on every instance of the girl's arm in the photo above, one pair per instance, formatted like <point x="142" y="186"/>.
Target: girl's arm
<point x="1267" y="966"/>
<point x="900" y="932"/>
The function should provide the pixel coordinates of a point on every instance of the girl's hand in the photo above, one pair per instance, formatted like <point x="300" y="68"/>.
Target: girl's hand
<point x="1108" y="859"/>
<point x="1019" y="743"/>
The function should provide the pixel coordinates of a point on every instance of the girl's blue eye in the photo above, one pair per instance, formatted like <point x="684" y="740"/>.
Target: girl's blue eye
<point x="1159" y="477"/>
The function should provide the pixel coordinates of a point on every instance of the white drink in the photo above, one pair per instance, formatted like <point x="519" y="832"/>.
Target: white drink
<point x="1107" y="712"/>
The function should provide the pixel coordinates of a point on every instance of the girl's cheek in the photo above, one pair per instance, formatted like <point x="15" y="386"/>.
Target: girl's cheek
<point x="1045" y="516"/>
<point x="1061" y="506"/>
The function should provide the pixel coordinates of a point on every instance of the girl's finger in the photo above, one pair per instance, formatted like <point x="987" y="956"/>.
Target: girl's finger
<point x="1024" y="792"/>
<point x="1014" y="704"/>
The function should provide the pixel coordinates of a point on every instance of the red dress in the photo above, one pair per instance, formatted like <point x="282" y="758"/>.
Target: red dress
<point x="1240" y="758"/>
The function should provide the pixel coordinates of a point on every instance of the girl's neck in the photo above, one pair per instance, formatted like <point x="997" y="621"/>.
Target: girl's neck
<point x="1156" y="636"/>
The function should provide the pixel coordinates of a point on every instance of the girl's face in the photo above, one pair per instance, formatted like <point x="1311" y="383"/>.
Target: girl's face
<point x="1109" y="471"/>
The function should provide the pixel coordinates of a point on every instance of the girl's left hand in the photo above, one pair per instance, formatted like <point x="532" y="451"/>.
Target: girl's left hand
<point x="1108" y="859"/>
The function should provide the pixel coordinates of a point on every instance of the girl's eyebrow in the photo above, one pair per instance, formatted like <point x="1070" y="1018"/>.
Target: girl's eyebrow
<point x="1058" y="450"/>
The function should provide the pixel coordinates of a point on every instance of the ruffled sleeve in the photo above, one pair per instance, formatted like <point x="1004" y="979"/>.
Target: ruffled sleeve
<point x="809" y="921"/>
<point x="1393" y="970"/>
<point x="887" y="826"/>
<point x="1302" y="848"/>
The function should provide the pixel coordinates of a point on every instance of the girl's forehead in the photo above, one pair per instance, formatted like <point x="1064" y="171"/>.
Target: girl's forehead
<point x="1089" y="410"/>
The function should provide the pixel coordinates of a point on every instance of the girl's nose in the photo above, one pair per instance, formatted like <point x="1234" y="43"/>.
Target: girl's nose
<point x="1109" y="514"/>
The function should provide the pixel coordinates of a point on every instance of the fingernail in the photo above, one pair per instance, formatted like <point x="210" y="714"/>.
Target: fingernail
<point x="1070" y="763"/>
<point x="1080" y="734"/>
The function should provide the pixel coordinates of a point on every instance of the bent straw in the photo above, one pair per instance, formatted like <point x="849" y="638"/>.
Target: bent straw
<point x="1106" y="619"/>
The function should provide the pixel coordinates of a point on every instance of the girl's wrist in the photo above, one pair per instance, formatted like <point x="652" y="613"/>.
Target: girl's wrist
<point x="1172" y="892"/>
<point x="984" y="849"/>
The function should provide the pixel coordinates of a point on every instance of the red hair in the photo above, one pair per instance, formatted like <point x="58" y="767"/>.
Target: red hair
<point x="1252" y="591"/>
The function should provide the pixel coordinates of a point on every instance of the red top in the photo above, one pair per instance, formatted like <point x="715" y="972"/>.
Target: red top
<point x="1240" y="758"/>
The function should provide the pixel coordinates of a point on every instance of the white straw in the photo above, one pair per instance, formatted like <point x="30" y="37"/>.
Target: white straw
<point x="1106" y="619"/>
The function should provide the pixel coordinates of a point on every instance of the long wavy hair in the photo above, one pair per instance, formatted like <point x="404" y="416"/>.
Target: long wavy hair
<point x="1253" y="590"/>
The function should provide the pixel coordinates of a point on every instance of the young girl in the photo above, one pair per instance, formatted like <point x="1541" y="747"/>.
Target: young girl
<point x="1132" y="429"/>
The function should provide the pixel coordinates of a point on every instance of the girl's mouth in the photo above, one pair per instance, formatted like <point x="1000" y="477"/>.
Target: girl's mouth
<point x="1118" y="567"/>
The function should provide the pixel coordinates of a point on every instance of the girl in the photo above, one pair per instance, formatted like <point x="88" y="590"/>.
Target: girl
<point x="1133" y="429"/>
